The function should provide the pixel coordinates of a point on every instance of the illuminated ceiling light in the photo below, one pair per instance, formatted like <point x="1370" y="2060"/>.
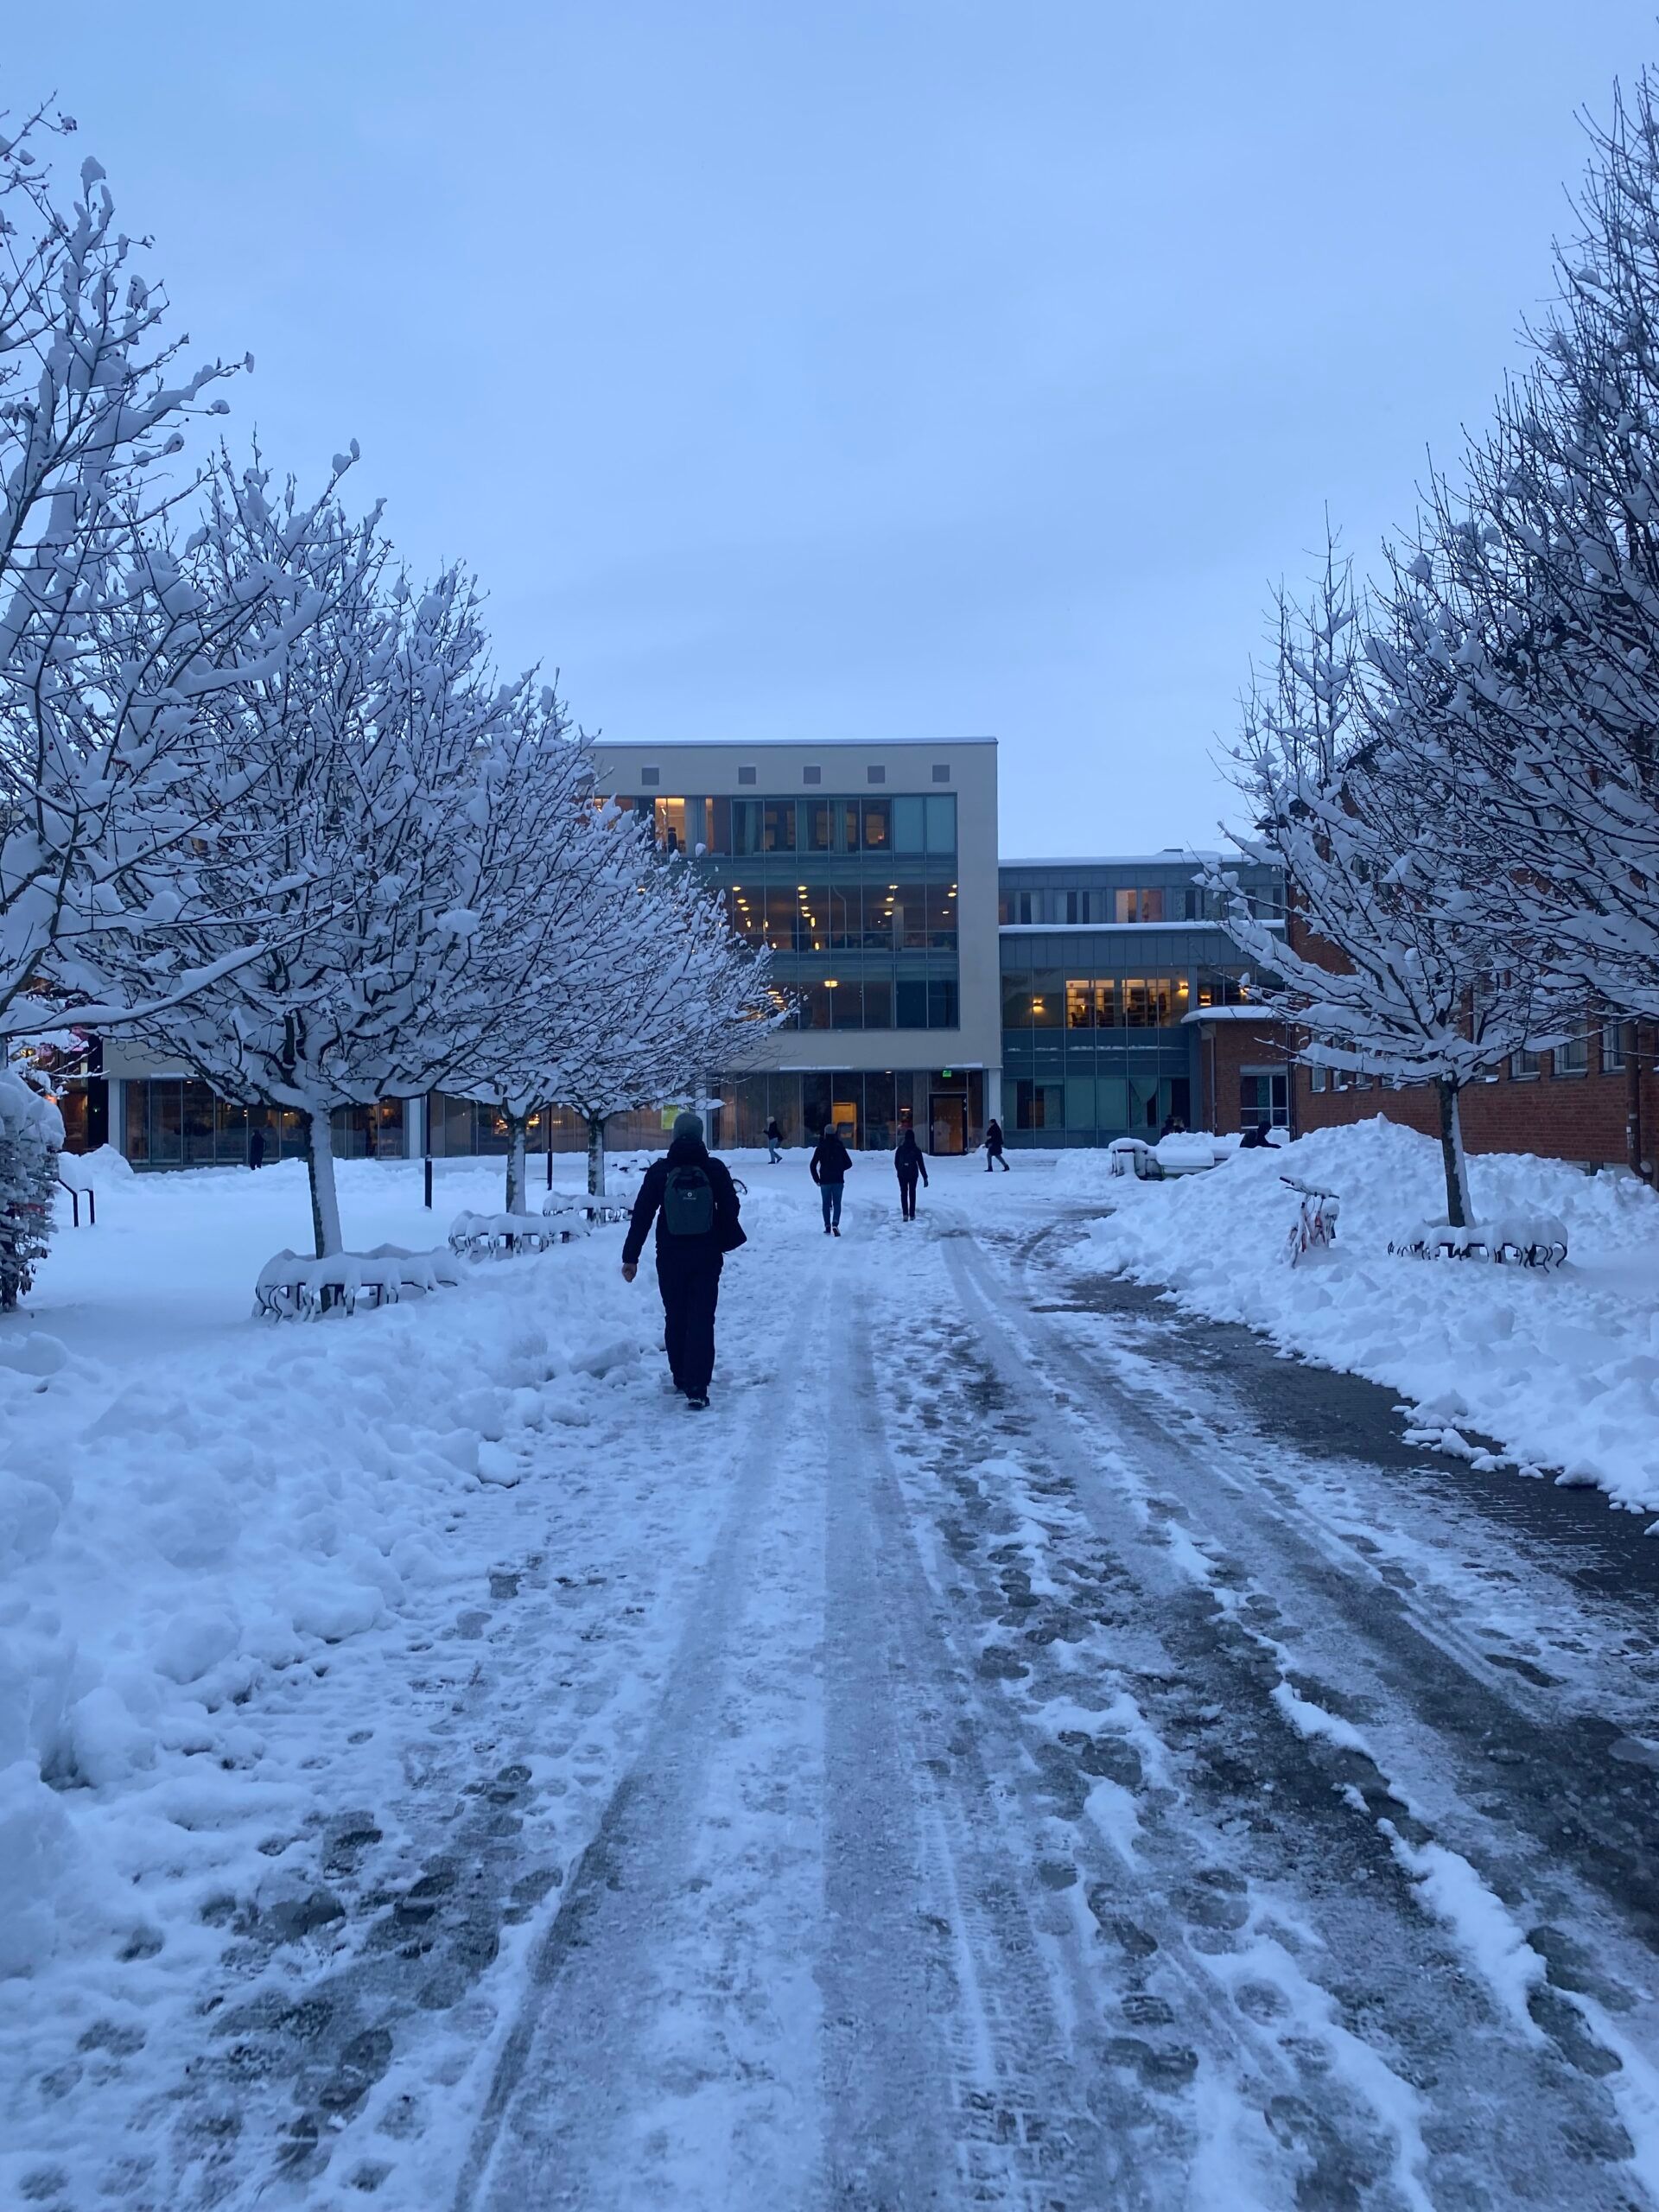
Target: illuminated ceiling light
<point x="831" y="983"/>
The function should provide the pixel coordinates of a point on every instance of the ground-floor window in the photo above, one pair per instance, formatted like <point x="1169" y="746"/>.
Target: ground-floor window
<point x="169" y="1121"/>
<point x="1264" y="1098"/>
<point x="1083" y="1107"/>
<point x="869" y="1109"/>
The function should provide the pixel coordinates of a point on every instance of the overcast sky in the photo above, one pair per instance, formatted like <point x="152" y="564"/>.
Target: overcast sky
<point x="849" y="368"/>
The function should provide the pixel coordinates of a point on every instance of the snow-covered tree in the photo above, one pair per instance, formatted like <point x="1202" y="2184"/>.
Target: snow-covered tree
<point x="1354" y="790"/>
<point x="351" y="841"/>
<point x="31" y="1136"/>
<point x="546" y="879"/>
<point x="108" y="651"/>
<point x="1538" y="580"/>
<point x="681" y="1001"/>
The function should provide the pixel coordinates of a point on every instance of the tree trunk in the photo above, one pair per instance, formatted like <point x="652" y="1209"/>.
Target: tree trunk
<point x="518" y="1180"/>
<point x="320" y="1168"/>
<point x="596" y="1154"/>
<point x="1459" y="1211"/>
<point x="1633" y="1147"/>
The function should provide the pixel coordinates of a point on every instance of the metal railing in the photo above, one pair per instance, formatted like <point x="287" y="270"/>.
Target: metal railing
<point x="76" y="1198"/>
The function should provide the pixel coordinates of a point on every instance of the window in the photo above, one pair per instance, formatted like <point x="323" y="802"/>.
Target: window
<point x="669" y="824"/>
<point x="778" y="825"/>
<point x="942" y="1002"/>
<point x="941" y="771"/>
<point x="878" y="825"/>
<point x="878" y="1005"/>
<point x="910" y="1004"/>
<point x="1016" y="998"/>
<point x="1079" y="1005"/>
<point x="1024" y="906"/>
<point x="909" y="825"/>
<point x="746" y="775"/>
<point x="942" y="824"/>
<point x="1047" y="998"/>
<point x="1111" y="1102"/>
<point x="1573" y="1058"/>
<point x="1318" y="1078"/>
<point x="1221" y="987"/>
<point x="720" y="825"/>
<point x="1264" y="1098"/>
<point x="1038" y="1106"/>
<point x="1524" y="1065"/>
<point x="821" y="826"/>
<point x="875" y="775"/>
<point x="811" y="775"/>
<point x="1612" y="1048"/>
<point x="649" y="776"/>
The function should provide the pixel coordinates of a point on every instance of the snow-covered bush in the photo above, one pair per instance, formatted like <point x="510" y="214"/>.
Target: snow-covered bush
<point x="31" y="1136"/>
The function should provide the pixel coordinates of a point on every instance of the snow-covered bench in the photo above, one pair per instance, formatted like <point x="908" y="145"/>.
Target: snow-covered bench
<point x="492" y="1233"/>
<point x="1521" y="1240"/>
<point x="584" y="1214"/>
<point x="292" y="1289"/>
<point x="1186" y="1153"/>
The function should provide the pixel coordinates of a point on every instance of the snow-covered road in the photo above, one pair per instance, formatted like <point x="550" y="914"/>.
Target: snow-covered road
<point x="1018" y="1748"/>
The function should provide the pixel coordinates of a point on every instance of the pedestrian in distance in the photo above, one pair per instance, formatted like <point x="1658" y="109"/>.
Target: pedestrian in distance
<point x="908" y="1164"/>
<point x="993" y="1148"/>
<point x="691" y="1196"/>
<point x="828" y="1167"/>
<point x="774" y="1139"/>
<point x="255" y="1147"/>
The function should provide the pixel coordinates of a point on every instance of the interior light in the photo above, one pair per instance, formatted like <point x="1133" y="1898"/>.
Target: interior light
<point x="831" y="983"/>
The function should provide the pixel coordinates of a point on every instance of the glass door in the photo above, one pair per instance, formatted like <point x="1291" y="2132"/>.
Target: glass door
<point x="947" y="1114"/>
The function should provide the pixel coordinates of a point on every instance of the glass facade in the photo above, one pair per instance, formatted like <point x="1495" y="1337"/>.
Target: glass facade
<point x="855" y="896"/>
<point x="1097" y="1038"/>
<point x="169" y="1121"/>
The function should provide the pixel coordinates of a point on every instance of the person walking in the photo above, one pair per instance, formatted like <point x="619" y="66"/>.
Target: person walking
<point x="908" y="1164"/>
<point x="255" y="1147"/>
<point x="993" y="1148"/>
<point x="774" y="1139"/>
<point x="828" y="1167"/>
<point x="691" y="1196"/>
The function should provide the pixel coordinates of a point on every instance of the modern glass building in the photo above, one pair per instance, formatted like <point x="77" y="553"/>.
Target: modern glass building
<point x="1076" y="1001"/>
<point x="1109" y="967"/>
<point x="870" y="871"/>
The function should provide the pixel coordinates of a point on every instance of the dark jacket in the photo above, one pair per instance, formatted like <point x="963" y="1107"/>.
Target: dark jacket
<point x="994" y="1136"/>
<point x="774" y="1135"/>
<point x="830" y="1161"/>
<point x="908" y="1160"/>
<point x="727" y="1233"/>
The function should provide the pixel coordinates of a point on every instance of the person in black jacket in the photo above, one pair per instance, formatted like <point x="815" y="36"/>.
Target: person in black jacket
<point x="908" y="1164"/>
<point x="774" y="1139"/>
<point x="691" y="1196"/>
<point x="827" y="1168"/>
<point x="993" y="1148"/>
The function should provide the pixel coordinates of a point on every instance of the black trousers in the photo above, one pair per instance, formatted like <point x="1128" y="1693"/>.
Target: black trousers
<point x="689" y="1283"/>
<point x="907" y="1196"/>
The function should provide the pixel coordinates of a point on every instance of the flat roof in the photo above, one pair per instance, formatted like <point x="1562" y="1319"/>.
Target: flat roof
<point x="1116" y="928"/>
<point x="772" y="744"/>
<point x="1175" y="856"/>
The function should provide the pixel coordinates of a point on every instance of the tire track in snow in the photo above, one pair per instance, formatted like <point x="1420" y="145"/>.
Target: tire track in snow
<point x="561" y="2083"/>
<point x="1025" y="1353"/>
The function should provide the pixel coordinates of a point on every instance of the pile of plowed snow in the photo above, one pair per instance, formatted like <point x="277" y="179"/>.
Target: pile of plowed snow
<point x="1561" y="1369"/>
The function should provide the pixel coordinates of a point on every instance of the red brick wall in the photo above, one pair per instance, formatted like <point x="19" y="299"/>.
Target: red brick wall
<point x="1580" y="1117"/>
<point x="1559" y="1116"/>
<point x="1226" y="1048"/>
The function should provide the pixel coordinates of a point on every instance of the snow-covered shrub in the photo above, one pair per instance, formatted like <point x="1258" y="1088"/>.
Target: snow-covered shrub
<point x="31" y="1136"/>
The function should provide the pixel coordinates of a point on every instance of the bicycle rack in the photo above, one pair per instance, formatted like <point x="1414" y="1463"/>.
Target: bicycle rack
<point x="76" y="1198"/>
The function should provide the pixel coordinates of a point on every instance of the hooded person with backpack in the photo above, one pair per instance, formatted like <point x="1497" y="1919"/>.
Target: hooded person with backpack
<point x="691" y="1196"/>
<point x="828" y="1167"/>
<point x="908" y="1164"/>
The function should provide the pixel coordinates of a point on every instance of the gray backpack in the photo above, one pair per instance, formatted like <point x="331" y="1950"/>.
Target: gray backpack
<point x="687" y="1204"/>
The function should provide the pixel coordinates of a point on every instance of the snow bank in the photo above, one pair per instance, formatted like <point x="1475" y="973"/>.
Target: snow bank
<point x="1561" y="1369"/>
<point x="207" y="1504"/>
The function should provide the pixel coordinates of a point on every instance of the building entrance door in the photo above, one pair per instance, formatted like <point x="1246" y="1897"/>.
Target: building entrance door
<point x="947" y="1116"/>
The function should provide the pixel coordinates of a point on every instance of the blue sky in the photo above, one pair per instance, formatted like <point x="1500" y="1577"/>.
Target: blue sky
<point x="826" y="368"/>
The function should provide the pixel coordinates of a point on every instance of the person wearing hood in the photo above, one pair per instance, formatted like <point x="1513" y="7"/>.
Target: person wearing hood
<point x="908" y="1164"/>
<point x="774" y="1140"/>
<point x="691" y="1196"/>
<point x="828" y="1167"/>
<point x="993" y="1146"/>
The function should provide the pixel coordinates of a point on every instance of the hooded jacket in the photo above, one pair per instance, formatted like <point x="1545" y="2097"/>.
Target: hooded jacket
<point x="727" y="1233"/>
